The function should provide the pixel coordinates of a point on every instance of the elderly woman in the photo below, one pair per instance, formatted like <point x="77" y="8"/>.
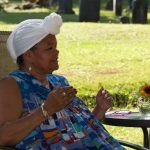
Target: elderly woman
<point x="40" y="110"/>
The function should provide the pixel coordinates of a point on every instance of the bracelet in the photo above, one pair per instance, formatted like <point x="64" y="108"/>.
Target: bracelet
<point x="45" y="113"/>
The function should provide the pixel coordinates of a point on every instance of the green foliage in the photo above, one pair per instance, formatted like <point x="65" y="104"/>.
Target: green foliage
<point x="2" y="4"/>
<point x="126" y="12"/>
<point x="110" y="55"/>
<point x="114" y="56"/>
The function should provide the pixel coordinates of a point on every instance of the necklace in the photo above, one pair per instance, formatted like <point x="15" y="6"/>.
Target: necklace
<point x="44" y="80"/>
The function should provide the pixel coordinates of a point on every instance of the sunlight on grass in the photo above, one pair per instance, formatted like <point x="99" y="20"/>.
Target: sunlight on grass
<point x="116" y="56"/>
<point x="126" y="134"/>
<point x="92" y="55"/>
<point x="112" y="55"/>
<point x="122" y="43"/>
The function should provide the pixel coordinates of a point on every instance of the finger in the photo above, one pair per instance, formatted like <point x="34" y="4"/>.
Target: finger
<point x="105" y="95"/>
<point x="65" y="89"/>
<point x="101" y="89"/>
<point x="99" y="93"/>
<point x="105" y="91"/>
<point x="72" y="91"/>
<point x="109" y="98"/>
<point x="59" y="93"/>
<point x="69" y="92"/>
<point x="70" y="95"/>
<point x="58" y="88"/>
<point x="68" y="88"/>
<point x="109" y="102"/>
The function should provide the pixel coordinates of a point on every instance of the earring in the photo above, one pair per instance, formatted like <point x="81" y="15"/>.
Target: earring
<point x="29" y="68"/>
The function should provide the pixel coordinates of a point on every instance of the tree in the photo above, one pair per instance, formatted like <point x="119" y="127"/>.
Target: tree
<point x="89" y="10"/>
<point x="109" y="5"/>
<point x="117" y="7"/>
<point x="139" y="11"/>
<point x="65" y="6"/>
<point x="130" y="4"/>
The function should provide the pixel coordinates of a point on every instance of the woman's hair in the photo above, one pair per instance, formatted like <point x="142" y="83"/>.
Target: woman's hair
<point x="20" y="60"/>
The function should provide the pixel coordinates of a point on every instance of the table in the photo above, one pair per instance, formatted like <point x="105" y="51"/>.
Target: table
<point x="131" y="119"/>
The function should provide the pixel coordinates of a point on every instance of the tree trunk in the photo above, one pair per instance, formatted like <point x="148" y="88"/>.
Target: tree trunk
<point x="130" y="4"/>
<point x="117" y="7"/>
<point x="45" y="3"/>
<point x="89" y="10"/>
<point x="139" y="11"/>
<point x="65" y="6"/>
<point x="109" y="5"/>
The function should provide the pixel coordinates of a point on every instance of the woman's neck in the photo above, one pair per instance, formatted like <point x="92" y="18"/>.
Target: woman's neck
<point x="39" y="76"/>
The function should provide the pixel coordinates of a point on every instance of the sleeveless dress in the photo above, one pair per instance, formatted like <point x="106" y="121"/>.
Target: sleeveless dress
<point x="72" y="128"/>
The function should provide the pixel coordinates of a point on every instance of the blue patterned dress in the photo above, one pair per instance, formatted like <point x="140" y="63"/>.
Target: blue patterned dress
<point x="73" y="128"/>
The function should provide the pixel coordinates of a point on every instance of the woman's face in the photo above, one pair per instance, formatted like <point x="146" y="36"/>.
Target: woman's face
<point x="45" y="56"/>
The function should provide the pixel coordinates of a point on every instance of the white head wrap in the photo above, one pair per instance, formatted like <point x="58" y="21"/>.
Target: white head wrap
<point x="30" y="32"/>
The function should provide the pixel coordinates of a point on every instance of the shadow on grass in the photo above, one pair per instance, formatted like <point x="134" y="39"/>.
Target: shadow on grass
<point x="14" y="17"/>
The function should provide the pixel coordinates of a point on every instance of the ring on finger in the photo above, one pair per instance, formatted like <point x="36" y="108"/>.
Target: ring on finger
<point x="63" y="94"/>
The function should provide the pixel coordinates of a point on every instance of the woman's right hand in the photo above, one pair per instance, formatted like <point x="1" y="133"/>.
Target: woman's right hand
<point x="59" y="98"/>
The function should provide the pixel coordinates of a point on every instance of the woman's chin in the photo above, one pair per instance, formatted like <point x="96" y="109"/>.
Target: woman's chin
<point x="52" y="70"/>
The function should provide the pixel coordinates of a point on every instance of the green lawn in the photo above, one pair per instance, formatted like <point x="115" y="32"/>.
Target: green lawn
<point x="113" y="55"/>
<point x="92" y="55"/>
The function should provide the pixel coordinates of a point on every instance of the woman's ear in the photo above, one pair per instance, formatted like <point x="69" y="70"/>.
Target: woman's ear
<point x="28" y="56"/>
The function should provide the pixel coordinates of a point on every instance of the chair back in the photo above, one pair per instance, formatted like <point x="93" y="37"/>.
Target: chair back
<point x="6" y="63"/>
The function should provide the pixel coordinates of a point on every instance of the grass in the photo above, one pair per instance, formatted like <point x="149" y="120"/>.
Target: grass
<point x="92" y="55"/>
<point x="112" y="55"/>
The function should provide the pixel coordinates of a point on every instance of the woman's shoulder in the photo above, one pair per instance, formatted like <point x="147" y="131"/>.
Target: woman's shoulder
<point x="7" y="82"/>
<point x="10" y="99"/>
<point x="8" y="89"/>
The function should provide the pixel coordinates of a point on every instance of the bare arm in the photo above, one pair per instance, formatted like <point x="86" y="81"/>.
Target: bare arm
<point x="13" y="126"/>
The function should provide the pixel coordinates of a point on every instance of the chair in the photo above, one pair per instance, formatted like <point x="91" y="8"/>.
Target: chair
<point x="8" y="148"/>
<point x="6" y="64"/>
<point x="7" y="67"/>
<point x="131" y="145"/>
<point x="149" y="139"/>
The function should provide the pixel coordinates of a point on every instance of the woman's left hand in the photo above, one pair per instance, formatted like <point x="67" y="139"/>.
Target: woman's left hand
<point x="103" y="99"/>
<point x="103" y="103"/>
